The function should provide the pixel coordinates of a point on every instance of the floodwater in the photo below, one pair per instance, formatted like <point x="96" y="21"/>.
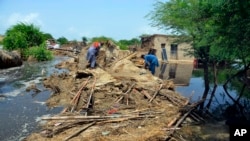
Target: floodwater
<point x="192" y="86"/>
<point x="20" y="111"/>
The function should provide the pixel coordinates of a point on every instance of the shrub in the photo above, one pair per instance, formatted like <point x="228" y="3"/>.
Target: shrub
<point x="39" y="52"/>
<point x="62" y="40"/>
<point x="22" y="36"/>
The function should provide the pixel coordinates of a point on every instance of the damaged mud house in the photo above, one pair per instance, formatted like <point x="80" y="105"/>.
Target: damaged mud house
<point x="119" y="100"/>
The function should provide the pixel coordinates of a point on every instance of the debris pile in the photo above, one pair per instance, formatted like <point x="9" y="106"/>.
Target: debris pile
<point x="10" y="59"/>
<point x="119" y="100"/>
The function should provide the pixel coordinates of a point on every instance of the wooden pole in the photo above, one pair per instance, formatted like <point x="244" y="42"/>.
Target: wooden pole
<point x="77" y="95"/>
<point x="79" y="131"/>
<point x="76" y="98"/>
<point x="155" y="93"/>
<point x="91" y="95"/>
<point x="125" y="93"/>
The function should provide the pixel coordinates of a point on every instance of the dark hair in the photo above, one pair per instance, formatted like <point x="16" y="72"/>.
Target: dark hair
<point x="142" y="56"/>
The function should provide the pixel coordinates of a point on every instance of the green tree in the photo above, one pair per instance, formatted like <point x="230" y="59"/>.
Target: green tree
<point x="29" y="40"/>
<point x="133" y="41"/>
<point x="22" y="36"/>
<point x="62" y="40"/>
<point x="47" y="36"/>
<point x="218" y="29"/>
<point x="189" y="18"/>
<point x="84" y="41"/>
<point x="102" y="39"/>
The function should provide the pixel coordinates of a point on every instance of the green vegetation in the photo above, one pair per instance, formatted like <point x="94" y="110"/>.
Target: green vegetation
<point x="47" y="36"/>
<point x="39" y="52"/>
<point x="124" y="44"/>
<point x="84" y="41"/>
<point x="102" y="39"/>
<point x="218" y="31"/>
<point x="62" y="40"/>
<point x="22" y="36"/>
<point x="29" y="40"/>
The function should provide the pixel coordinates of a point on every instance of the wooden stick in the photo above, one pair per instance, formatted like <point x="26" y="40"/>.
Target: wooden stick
<point x="137" y="111"/>
<point x="111" y="64"/>
<point x="79" y="131"/>
<point x="149" y="97"/>
<point x="146" y="94"/>
<point x="124" y="119"/>
<point x="125" y="93"/>
<point x="77" y="95"/>
<point x="91" y="94"/>
<point x="172" y="122"/>
<point x="155" y="93"/>
<point x="88" y="117"/>
<point x="75" y="99"/>
<point x="183" y="117"/>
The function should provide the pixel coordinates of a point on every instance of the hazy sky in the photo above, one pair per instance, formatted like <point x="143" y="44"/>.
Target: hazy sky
<point x="73" y="19"/>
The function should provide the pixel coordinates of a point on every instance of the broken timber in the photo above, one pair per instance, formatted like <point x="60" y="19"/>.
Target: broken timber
<point x="91" y="99"/>
<point x="155" y="93"/>
<point x="76" y="97"/>
<point x="181" y="119"/>
<point x="79" y="131"/>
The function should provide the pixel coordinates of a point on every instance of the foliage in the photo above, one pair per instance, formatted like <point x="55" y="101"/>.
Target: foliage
<point x="123" y="44"/>
<point x="219" y="30"/>
<point x="102" y="39"/>
<point x="22" y="36"/>
<point x="231" y="29"/>
<point x="15" y="40"/>
<point x="47" y="36"/>
<point x="133" y="41"/>
<point x="62" y="40"/>
<point x="39" y="52"/>
<point x="84" y="39"/>
<point x="105" y="39"/>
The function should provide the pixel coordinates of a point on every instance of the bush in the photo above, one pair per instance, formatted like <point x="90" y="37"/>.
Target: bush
<point x="122" y="46"/>
<point x="22" y="36"/>
<point x="62" y="40"/>
<point x="29" y="40"/>
<point x="39" y="52"/>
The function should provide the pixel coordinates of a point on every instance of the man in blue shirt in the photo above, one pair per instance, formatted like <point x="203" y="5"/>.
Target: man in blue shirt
<point x="151" y="61"/>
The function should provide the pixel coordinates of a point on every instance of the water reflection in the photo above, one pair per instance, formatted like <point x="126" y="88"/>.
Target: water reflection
<point x="189" y="80"/>
<point x="179" y="73"/>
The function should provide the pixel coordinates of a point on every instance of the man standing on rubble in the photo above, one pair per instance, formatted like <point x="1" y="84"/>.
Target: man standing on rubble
<point x="151" y="61"/>
<point x="92" y="53"/>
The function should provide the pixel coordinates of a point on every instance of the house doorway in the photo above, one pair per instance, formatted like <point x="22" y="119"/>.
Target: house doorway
<point x="172" y="71"/>
<point x="174" y="52"/>
<point x="164" y="52"/>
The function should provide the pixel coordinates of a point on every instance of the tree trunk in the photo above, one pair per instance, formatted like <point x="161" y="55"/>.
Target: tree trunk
<point x="206" y="81"/>
<point x="215" y="85"/>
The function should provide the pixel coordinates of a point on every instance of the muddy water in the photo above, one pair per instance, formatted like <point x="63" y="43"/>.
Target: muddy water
<point x="20" y="111"/>
<point x="187" y="84"/>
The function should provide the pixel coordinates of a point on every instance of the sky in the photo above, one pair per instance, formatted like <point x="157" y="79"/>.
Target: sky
<point x="74" y="19"/>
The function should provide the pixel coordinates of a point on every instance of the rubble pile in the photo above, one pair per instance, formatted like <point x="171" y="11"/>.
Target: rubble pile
<point x="119" y="100"/>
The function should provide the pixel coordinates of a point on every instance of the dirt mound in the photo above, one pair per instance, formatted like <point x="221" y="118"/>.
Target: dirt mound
<point x="116" y="101"/>
<point x="10" y="59"/>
